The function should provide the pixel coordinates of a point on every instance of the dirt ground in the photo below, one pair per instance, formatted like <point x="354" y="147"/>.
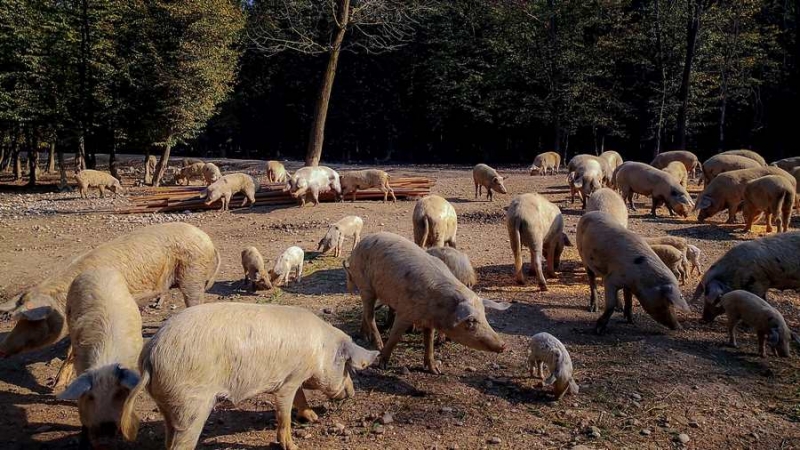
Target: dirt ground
<point x="641" y="385"/>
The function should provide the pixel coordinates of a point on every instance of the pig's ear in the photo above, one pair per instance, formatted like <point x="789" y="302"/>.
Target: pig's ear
<point x="37" y="308"/>
<point x="359" y="358"/>
<point x="714" y="291"/>
<point x="463" y="312"/>
<point x="127" y="377"/>
<point x="491" y="304"/>
<point x="77" y="388"/>
<point x="674" y="296"/>
<point x="702" y="203"/>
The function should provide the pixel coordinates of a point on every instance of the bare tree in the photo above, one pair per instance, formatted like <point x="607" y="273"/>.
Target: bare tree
<point x="314" y="27"/>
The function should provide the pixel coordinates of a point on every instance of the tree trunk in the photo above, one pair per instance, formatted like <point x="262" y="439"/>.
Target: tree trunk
<point x="148" y="175"/>
<point x="33" y="159"/>
<point x="62" y="168"/>
<point x="51" y="156"/>
<point x="692" y="30"/>
<point x="17" y="163"/>
<point x="317" y="134"/>
<point x="660" y="61"/>
<point x="112" y="158"/>
<point x="80" y="157"/>
<point x="722" y="110"/>
<point x="161" y="167"/>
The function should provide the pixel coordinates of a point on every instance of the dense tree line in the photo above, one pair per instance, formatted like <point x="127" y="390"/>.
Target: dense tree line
<point x="425" y="81"/>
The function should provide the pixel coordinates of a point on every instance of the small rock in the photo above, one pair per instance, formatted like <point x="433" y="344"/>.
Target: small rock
<point x="378" y="429"/>
<point x="387" y="419"/>
<point x="494" y="440"/>
<point x="495" y="366"/>
<point x="459" y="423"/>
<point x="300" y="433"/>
<point x="580" y="447"/>
<point x="405" y="371"/>
<point x="338" y="428"/>
<point x="636" y="396"/>
<point x="694" y="424"/>
<point x="754" y="436"/>
<point x="683" y="438"/>
<point x="632" y="422"/>
<point x="446" y="410"/>
<point x="327" y="311"/>
<point x="453" y="447"/>
<point x="594" y="432"/>
<point x="470" y="369"/>
<point x="636" y="405"/>
<point x="645" y="432"/>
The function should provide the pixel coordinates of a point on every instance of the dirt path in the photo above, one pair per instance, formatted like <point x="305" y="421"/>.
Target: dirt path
<point x="641" y="385"/>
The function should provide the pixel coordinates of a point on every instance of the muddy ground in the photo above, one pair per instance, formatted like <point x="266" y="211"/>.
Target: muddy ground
<point x="642" y="386"/>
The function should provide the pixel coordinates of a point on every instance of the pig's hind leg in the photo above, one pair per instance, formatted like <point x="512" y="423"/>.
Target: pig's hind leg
<point x="398" y="330"/>
<point x="284" y="399"/>
<point x="189" y="424"/>
<point x="303" y="410"/>
<point x="430" y="361"/>
<point x="368" y="327"/>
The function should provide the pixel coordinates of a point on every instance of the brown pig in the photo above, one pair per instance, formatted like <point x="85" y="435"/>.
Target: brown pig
<point x="536" y="223"/>
<point x="544" y="162"/>
<point x="773" y="195"/>
<point x="237" y="351"/>
<point x="726" y="191"/>
<point x="625" y="261"/>
<point x="151" y="259"/>
<point x="457" y="262"/>
<point x="105" y="330"/>
<point x="688" y="159"/>
<point x="435" y="222"/>
<point x="754" y="266"/>
<point x="422" y="291"/>
<point x="678" y="172"/>
<point x="355" y="180"/>
<point x="768" y="323"/>
<point x="635" y="177"/>
<point x="787" y="164"/>
<point x="719" y="164"/>
<point x="255" y="274"/>
<point x="230" y="185"/>
<point x="276" y="172"/>
<point x="674" y="259"/>
<point x="586" y="175"/>
<point x="749" y="154"/>
<point x="607" y="200"/>
<point x="349" y="226"/>
<point x="485" y="177"/>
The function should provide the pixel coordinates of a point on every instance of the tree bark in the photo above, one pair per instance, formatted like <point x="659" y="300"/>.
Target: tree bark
<point x="162" y="164"/>
<point x="62" y="168"/>
<point x="692" y="30"/>
<point x="80" y="157"/>
<point x="17" y="163"/>
<point x="33" y="159"/>
<point x="51" y="156"/>
<point x="660" y="62"/>
<point x="317" y="134"/>
<point x="112" y="158"/>
<point x="148" y="176"/>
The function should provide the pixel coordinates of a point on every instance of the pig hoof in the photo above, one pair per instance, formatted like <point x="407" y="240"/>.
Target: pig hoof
<point x="433" y="368"/>
<point x="543" y="287"/>
<point x="309" y="415"/>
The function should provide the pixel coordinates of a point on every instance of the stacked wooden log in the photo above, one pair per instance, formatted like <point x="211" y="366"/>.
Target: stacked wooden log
<point x="188" y="198"/>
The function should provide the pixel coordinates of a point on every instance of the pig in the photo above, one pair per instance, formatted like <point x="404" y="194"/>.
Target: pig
<point x="105" y="330"/>
<point x="747" y="154"/>
<point x="291" y="259"/>
<point x="276" y="172"/>
<point x="255" y="275"/>
<point x="545" y="349"/>
<point x="694" y="256"/>
<point x="625" y="261"/>
<point x="314" y="181"/>
<point x="681" y="244"/>
<point x="547" y="161"/>
<point x="151" y="259"/>
<point x="773" y="195"/>
<point x="349" y="226"/>
<point x="149" y="169"/>
<point x="485" y="177"/>
<point x="211" y="173"/>
<point x="435" y="222"/>
<point x="678" y="172"/>
<point x="585" y="177"/>
<point x="688" y="159"/>
<point x="787" y="164"/>
<point x="613" y="159"/>
<point x="239" y="350"/>
<point x="768" y="323"/>
<point x="726" y="191"/>
<point x="458" y="263"/>
<point x="635" y="177"/>
<point x="356" y="180"/>
<point x="228" y="186"/>
<point x="720" y="164"/>
<point x="607" y="200"/>
<point x="674" y="259"/>
<point x="536" y="223"/>
<point x="422" y="291"/>
<point x="190" y="161"/>
<point x="189" y="173"/>
<point x="95" y="179"/>
<point x="754" y="266"/>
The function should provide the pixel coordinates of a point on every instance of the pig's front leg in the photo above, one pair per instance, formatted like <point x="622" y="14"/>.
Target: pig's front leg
<point x="628" y="296"/>
<point x="303" y="410"/>
<point x="368" y="327"/>
<point x="429" y="361"/>
<point x="611" y="304"/>
<point x="66" y="372"/>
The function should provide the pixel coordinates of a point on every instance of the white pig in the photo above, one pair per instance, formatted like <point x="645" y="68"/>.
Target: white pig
<point x="291" y="259"/>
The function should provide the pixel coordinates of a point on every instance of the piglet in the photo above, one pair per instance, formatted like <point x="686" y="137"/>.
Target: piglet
<point x="768" y="323"/>
<point x="291" y="259"/>
<point x="545" y="349"/>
